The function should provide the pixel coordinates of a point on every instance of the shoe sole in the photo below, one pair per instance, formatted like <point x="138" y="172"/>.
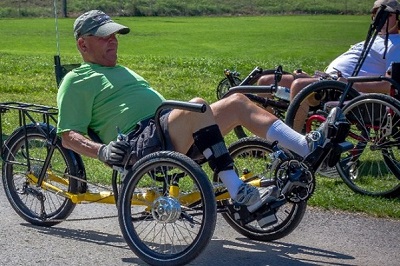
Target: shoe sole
<point x="267" y="198"/>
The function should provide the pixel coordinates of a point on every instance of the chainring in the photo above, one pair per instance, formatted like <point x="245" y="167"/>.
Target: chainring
<point x="294" y="179"/>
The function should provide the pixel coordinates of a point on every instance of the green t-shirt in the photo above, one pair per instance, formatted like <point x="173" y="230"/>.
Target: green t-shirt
<point x="104" y="98"/>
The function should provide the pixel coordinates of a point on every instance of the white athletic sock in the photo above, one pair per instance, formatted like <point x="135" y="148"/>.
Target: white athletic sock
<point x="231" y="181"/>
<point x="229" y="177"/>
<point x="288" y="138"/>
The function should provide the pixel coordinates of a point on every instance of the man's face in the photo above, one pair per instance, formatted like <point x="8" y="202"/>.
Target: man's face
<point x="99" y="50"/>
<point x="390" y="25"/>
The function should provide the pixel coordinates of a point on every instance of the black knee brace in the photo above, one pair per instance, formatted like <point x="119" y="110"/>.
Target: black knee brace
<point x="210" y="142"/>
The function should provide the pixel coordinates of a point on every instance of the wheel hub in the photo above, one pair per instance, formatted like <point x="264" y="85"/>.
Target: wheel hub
<point x="166" y="209"/>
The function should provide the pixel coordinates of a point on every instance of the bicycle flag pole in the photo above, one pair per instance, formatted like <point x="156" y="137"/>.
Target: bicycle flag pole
<point x="57" y="60"/>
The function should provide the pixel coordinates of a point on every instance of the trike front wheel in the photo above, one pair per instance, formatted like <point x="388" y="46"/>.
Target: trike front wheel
<point x="308" y="109"/>
<point x="372" y="167"/>
<point x="167" y="209"/>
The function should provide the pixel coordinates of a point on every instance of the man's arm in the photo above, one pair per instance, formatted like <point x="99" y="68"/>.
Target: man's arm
<point x="370" y="87"/>
<point x="115" y="153"/>
<point x="80" y="144"/>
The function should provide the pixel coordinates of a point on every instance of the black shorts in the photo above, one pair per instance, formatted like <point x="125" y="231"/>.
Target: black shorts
<point x="145" y="139"/>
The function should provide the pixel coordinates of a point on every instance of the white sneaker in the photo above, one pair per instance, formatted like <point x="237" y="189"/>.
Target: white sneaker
<point x="247" y="195"/>
<point x="250" y="196"/>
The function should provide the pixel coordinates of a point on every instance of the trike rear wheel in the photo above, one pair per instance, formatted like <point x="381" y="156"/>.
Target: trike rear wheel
<point x="252" y="155"/>
<point x="24" y="154"/>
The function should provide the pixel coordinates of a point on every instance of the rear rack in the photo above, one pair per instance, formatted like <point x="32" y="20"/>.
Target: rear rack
<point x="26" y="115"/>
<point x="28" y="107"/>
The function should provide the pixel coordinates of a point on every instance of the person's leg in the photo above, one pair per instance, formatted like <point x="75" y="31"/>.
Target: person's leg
<point x="182" y="124"/>
<point x="285" y="81"/>
<point x="302" y="113"/>
<point x="227" y="114"/>
<point x="185" y="127"/>
<point x="268" y="80"/>
<point x="210" y="142"/>
<point x="239" y="110"/>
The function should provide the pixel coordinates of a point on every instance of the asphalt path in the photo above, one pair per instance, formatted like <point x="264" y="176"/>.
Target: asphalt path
<point x="88" y="238"/>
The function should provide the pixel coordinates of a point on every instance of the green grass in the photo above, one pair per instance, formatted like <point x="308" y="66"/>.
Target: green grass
<point x="40" y="8"/>
<point x="171" y="50"/>
<point x="185" y="57"/>
<point x="265" y="38"/>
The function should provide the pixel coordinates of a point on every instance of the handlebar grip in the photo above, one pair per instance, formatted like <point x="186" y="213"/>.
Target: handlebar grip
<point x="250" y="89"/>
<point x="365" y="78"/>
<point x="189" y="106"/>
<point x="172" y="104"/>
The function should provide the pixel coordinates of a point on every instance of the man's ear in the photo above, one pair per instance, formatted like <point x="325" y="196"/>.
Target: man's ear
<point x="81" y="44"/>
<point x="397" y="18"/>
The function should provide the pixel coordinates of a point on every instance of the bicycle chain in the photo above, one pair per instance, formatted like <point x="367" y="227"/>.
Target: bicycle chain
<point x="97" y="186"/>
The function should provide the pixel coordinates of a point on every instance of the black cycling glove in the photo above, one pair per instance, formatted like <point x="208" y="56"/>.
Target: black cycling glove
<point x="115" y="153"/>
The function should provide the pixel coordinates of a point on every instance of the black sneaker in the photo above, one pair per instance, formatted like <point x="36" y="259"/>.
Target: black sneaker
<point x="319" y="137"/>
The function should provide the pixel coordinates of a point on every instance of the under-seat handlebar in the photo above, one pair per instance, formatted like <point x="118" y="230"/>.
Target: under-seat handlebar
<point x="250" y="89"/>
<point x="172" y="104"/>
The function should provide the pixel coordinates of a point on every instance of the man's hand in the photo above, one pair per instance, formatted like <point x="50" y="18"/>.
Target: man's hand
<point x="115" y="153"/>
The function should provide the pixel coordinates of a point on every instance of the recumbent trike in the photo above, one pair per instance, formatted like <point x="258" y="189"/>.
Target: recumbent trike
<point x="372" y="167"/>
<point x="167" y="205"/>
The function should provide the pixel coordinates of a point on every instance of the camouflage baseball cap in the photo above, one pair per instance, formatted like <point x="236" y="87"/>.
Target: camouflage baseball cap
<point x="391" y="5"/>
<point x="97" y="23"/>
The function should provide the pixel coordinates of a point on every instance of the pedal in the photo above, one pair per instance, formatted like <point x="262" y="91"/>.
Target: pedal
<point x="241" y="214"/>
<point x="336" y="152"/>
<point x="342" y="130"/>
<point x="266" y="216"/>
<point x="267" y="219"/>
<point x="317" y="156"/>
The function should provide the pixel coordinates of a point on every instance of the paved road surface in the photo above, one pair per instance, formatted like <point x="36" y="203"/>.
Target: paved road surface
<point x="323" y="238"/>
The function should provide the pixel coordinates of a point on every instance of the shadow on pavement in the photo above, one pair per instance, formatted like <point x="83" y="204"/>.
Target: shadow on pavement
<point x="241" y="251"/>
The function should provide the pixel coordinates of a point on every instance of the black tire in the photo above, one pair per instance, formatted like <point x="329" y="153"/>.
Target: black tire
<point x="252" y="154"/>
<point x="145" y="227"/>
<point x="373" y="166"/>
<point x="321" y="92"/>
<point x="22" y="193"/>
<point x="224" y="85"/>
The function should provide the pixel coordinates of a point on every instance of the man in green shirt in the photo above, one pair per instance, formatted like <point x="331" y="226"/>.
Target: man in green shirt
<point x="102" y="95"/>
